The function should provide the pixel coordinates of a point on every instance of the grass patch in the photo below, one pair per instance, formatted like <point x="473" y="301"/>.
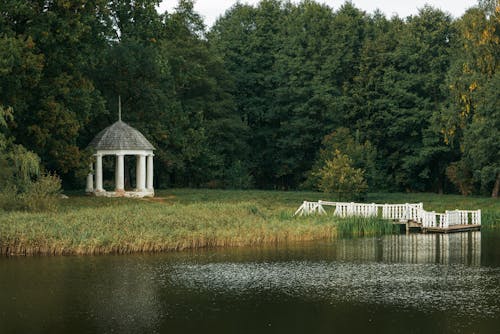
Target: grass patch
<point x="359" y="226"/>
<point x="185" y="218"/>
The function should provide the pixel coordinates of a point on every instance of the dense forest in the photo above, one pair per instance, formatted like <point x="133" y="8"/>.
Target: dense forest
<point x="262" y="99"/>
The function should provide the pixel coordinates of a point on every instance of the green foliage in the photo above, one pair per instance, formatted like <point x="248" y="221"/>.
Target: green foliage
<point x="363" y="155"/>
<point x="18" y="166"/>
<point x="249" y="102"/>
<point x="338" y="177"/>
<point x="43" y="194"/>
<point x="40" y="195"/>
<point x="473" y="116"/>
<point x="400" y="86"/>
<point x="461" y="176"/>
<point x="21" y="166"/>
<point x="360" y="226"/>
<point x="238" y="176"/>
<point x="21" y="185"/>
<point x="191" y="218"/>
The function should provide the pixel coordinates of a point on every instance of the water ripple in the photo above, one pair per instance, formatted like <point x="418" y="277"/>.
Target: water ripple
<point x="459" y="289"/>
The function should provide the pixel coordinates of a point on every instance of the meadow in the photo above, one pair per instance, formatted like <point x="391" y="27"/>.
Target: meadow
<point x="179" y="219"/>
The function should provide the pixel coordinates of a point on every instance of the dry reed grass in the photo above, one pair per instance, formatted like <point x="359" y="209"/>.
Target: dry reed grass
<point x="140" y="226"/>
<point x="187" y="218"/>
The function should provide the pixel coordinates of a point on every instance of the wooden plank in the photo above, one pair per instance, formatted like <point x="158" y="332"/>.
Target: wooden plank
<point x="451" y="229"/>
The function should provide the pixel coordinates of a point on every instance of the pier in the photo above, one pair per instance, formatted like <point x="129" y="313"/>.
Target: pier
<point x="411" y="215"/>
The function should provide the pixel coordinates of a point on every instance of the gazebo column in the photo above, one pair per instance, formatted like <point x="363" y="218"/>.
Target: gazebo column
<point x="149" y="174"/>
<point x="141" y="172"/>
<point x="90" y="180"/>
<point x="98" y="173"/>
<point x="119" y="174"/>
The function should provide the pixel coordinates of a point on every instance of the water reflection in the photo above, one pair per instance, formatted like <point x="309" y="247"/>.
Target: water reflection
<point x="432" y="283"/>
<point x="129" y="298"/>
<point x="424" y="272"/>
<point x="455" y="248"/>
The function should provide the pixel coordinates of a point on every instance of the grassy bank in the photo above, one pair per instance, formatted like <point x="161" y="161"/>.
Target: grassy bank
<point x="185" y="218"/>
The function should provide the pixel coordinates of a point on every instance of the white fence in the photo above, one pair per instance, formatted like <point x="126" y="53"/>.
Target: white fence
<point x="308" y="208"/>
<point x="398" y="212"/>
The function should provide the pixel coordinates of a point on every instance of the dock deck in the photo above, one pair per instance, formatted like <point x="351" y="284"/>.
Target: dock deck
<point x="412" y="216"/>
<point x="413" y="225"/>
<point x="451" y="229"/>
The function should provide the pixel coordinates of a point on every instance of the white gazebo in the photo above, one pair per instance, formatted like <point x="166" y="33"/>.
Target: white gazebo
<point x="120" y="139"/>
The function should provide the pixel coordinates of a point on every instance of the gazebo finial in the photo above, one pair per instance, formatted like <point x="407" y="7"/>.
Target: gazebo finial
<point x="119" y="108"/>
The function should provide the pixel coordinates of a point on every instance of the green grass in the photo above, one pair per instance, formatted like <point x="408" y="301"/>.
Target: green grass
<point x="186" y="218"/>
<point x="358" y="226"/>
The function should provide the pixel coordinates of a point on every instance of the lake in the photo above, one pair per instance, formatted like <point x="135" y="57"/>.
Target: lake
<point x="413" y="283"/>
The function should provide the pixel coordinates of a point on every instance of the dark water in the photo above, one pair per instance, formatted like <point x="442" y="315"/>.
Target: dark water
<point x="393" y="284"/>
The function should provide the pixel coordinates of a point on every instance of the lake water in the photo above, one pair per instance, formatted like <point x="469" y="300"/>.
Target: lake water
<point x="400" y="283"/>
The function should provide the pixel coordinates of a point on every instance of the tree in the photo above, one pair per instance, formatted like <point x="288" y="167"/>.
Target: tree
<point x="18" y="166"/>
<point x="65" y="40"/>
<point x="175" y="90"/>
<point x="22" y="185"/>
<point x="316" y="59"/>
<point x="246" y="38"/>
<point x="362" y="155"/>
<point x="473" y="115"/>
<point x="338" y="176"/>
<point x="399" y="88"/>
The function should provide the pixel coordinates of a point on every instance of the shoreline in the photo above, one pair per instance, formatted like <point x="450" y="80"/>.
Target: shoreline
<point x="23" y="251"/>
<point x="182" y="219"/>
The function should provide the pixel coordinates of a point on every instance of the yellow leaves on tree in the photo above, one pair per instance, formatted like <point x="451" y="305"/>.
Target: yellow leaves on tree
<point x="339" y="177"/>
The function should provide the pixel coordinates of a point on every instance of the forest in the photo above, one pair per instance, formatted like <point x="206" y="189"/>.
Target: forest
<point x="266" y="98"/>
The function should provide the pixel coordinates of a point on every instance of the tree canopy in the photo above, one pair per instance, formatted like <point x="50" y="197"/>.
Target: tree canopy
<point x="265" y="98"/>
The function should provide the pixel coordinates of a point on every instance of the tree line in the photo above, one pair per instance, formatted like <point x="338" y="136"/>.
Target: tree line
<point x="264" y="97"/>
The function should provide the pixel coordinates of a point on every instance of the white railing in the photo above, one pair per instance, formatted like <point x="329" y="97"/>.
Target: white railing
<point x="308" y="208"/>
<point x="399" y="212"/>
<point x="355" y="209"/>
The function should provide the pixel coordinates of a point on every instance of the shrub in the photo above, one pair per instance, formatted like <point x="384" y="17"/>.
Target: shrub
<point x="40" y="195"/>
<point x="362" y="155"/>
<point x="8" y="199"/>
<point x="43" y="194"/>
<point x="339" y="177"/>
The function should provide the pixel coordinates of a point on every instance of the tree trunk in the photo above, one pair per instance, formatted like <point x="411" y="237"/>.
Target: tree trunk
<point x="440" y="184"/>
<point x="496" y="187"/>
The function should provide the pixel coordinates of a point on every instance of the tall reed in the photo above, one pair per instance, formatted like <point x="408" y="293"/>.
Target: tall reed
<point x="361" y="226"/>
<point x="140" y="226"/>
<point x="189" y="218"/>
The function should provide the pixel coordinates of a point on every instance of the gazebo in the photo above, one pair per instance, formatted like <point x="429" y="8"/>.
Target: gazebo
<point x="120" y="139"/>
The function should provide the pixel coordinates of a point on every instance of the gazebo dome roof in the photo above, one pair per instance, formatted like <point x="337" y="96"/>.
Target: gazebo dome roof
<point x="120" y="136"/>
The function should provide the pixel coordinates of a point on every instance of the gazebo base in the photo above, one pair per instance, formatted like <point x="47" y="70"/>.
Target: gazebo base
<point x="132" y="194"/>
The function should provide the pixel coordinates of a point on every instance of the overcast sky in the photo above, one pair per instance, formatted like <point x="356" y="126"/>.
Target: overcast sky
<point x="211" y="9"/>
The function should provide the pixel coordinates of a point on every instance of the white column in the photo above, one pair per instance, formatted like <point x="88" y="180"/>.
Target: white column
<point x="140" y="176"/>
<point x="119" y="173"/>
<point x="98" y="173"/>
<point x="90" y="180"/>
<point x="149" y="175"/>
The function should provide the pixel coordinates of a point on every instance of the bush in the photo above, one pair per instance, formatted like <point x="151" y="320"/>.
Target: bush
<point x="339" y="177"/>
<point x="40" y="195"/>
<point x="362" y="155"/>
<point x="8" y="199"/>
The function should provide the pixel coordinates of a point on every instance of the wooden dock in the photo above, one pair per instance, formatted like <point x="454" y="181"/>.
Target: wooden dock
<point x="411" y="215"/>
<point x="451" y="229"/>
<point x="416" y="226"/>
